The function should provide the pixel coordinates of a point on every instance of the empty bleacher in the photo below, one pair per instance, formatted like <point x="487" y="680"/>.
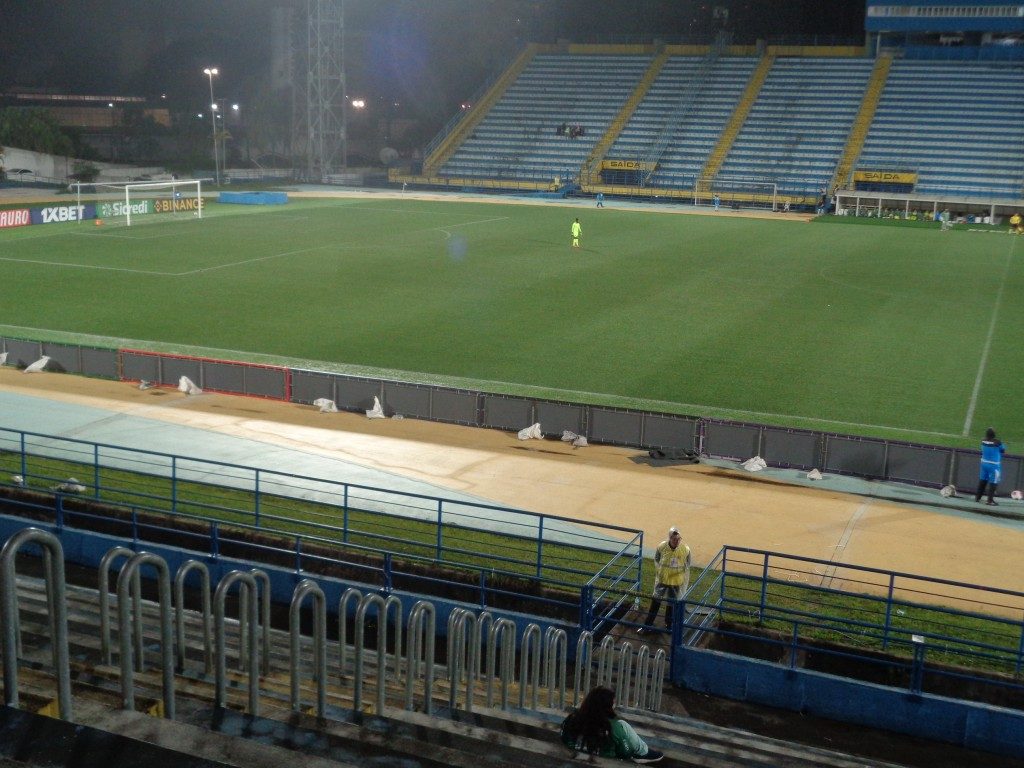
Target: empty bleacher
<point x="695" y="137"/>
<point x="517" y="139"/>
<point x="958" y="125"/>
<point x="798" y="125"/>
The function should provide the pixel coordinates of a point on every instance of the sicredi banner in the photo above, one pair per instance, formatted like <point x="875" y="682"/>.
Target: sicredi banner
<point x="57" y="213"/>
<point x="121" y="208"/>
<point x="16" y="217"/>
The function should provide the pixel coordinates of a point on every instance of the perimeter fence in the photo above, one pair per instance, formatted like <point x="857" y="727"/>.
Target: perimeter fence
<point x="788" y="448"/>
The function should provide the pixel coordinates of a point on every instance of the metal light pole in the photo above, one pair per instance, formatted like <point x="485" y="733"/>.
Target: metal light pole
<point x="210" y="72"/>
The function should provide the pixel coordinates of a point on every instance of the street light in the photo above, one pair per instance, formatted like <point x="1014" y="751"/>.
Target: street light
<point x="210" y="72"/>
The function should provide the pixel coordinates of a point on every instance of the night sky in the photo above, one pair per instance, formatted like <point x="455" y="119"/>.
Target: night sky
<point x="427" y="55"/>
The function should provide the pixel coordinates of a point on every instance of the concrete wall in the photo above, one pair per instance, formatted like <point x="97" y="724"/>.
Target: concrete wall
<point x="967" y="724"/>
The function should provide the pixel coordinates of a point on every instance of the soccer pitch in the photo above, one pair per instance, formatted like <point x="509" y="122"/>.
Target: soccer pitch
<point x="893" y="331"/>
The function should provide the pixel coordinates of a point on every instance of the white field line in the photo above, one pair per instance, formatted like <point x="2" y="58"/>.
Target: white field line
<point x="524" y="390"/>
<point x="254" y="260"/>
<point x="972" y="405"/>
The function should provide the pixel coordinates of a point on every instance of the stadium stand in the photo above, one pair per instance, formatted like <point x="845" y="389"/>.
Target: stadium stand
<point x="695" y="136"/>
<point x="798" y="125"/>
<point x="958" y="125"/>
<point x="518" y="137"/>
<point x="285" y="726"/>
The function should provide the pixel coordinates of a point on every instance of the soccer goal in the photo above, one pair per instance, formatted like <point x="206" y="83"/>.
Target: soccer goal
<point x="737" y="193"/>
<point x="133" y="203"/>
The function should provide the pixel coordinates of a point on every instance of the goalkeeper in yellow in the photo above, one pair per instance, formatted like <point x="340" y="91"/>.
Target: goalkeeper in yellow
<point x="577" y="230"/>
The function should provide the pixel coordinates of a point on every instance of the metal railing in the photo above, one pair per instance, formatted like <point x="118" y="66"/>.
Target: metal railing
<point x="267" y="500"/>
<point x="886" y="619"/>
<point x="10" y="636"/>
<point x="543" y="664"/>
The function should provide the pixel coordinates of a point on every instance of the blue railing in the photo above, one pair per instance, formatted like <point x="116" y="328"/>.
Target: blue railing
<point x="966" y="631"/>
<point x="556" y="551"/>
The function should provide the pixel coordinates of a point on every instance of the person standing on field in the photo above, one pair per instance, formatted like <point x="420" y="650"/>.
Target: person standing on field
<point x="992" y="450"/>
<point x="671" y="577"/>
<point x="577" y="230"/>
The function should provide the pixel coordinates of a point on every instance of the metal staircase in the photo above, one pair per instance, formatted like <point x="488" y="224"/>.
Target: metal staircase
<point x="591" y="170"/>
<point x="684" y="107"/>
<point x="865" y="116"/>
<point x="739" y="117"/>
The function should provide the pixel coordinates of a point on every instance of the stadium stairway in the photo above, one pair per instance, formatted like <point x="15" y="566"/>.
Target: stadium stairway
<point x="342" y="737"/>
<point x="861" y="125"/>
<point x="738" y="118"/>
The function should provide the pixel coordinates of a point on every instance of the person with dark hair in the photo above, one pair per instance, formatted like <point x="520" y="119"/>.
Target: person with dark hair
<point x="596" y="729"/>
<point x="992" y="450"/>
<point x="671" y="578"/>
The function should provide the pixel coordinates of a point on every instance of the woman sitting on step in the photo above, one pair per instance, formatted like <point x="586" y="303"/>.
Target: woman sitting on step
<point x="594" y="728"/>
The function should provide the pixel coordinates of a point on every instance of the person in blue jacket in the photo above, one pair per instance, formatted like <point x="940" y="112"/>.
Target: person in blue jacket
<point x="992" y="450"/>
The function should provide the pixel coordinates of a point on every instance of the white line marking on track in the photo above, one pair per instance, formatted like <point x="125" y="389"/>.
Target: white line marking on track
<point x="969" y="420"/>
<point x="840" y="547"/>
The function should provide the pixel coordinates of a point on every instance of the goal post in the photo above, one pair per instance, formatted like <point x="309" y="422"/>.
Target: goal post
<point x="131" y="203"/>
<point x="735" y="192"/>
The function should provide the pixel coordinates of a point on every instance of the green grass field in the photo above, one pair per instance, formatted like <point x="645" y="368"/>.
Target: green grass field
<point x="901" y="332"/>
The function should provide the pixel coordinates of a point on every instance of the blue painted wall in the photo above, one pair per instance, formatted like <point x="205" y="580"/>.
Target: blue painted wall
<point x="967" y="724"/>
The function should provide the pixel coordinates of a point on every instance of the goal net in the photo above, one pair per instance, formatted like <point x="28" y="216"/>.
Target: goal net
<point x="134" y="203"/>
<point x="736" y="193"/>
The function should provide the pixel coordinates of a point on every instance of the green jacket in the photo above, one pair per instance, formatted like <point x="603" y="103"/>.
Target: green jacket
<point x="616" y="746"/>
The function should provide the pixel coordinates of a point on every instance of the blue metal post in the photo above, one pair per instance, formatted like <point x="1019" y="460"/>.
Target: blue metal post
<point x="888" y="611"/>
<point x="721" y="582"/>
<point x="96" y="471"/>
<point x="483" y="588"/>
<point x="174" y="483"/>
<point x="917" y="670"/>
<point x="135" y="529"/>
<point x="793" y="644"/>
<point x="387" y="573"/>
<point x="764" y="589"/>
<point x="587" y="607"/>
<point x="298" y="555"/>
<point x="59" y="517"/>
<point x="1020" y="648"/>
<point x="256" y="501"/>
<point x="344" y="516"/>
<point x="24" y="463"/>
<point x="214" y="541"/>
<point x="540" y="543"/>
<point x="440" y="515"/>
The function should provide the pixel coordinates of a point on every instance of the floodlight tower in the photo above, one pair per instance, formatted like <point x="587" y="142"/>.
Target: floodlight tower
<point x="210" y="72"/>
<point x="325" y="88"/>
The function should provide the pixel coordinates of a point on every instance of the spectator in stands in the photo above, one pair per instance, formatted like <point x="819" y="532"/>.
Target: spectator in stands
<point x="992" y="450"/>
<point x="561" y="129"/>
<point x="1016" y="224"/>
<point x="577" y="230"/>
<point x="596" y="729"/>
<point x="672" y="566"/>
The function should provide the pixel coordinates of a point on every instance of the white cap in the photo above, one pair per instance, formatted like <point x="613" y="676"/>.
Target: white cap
<point x="672" y="530"/>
